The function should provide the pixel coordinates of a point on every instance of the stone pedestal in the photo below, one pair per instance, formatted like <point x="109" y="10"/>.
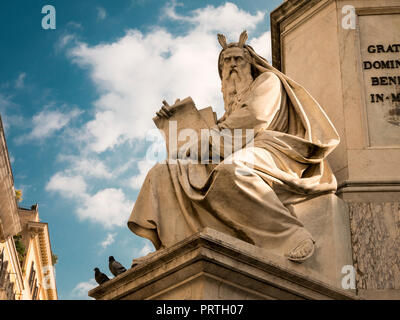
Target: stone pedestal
<point x="213" y="266"/>
<point x="327" y="218"/>
<point x="347" y="54"/>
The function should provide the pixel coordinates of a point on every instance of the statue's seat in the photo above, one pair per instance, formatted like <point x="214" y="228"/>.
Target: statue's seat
<point x="327" y="219"/>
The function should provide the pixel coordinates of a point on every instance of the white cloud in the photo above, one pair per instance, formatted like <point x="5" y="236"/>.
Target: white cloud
<point x="87" y="166"/>
<point x="19" y="83"/>
<point x="133" y="74"/>
<point x="137" y="71"/>
<point x="108" y="207"/>
<point x="146" y="249"/>
<point x="108" y="241"/>
<point x="4" y="102"/>
<point x="122" y="168"/>
<point x="81" y="289"/>
<point x="227" y="18"/>
<point x="92" y="167"/>
<point x="7" y="112"/>
<point x="64" y="40"/>
<point x="101" y="13"/>
<point x="262" y="45"/>
<point x="136" y="181"/>
<point x="67" y="186"/>
<point x="47" y="122"/>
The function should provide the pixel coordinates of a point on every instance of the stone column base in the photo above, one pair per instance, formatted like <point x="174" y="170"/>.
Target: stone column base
<point x="213" y="266"/>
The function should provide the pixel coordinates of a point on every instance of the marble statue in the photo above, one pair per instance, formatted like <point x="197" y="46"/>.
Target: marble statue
<point x="292" y="138"/>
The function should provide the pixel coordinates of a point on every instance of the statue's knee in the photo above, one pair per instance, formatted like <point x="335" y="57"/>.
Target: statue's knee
<point x="235" y="168"/>
<point x="226" y="169"/>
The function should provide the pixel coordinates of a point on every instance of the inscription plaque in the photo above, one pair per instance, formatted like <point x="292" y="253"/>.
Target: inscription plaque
<point x="380" y="57"/>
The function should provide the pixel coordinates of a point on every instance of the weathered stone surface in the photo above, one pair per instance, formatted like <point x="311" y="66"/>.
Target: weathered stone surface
<point x="383" y="294"/>
<point x="375" y="230"/>
<point x="212" y="265"/>
<point x="310" y="44"/>
<point x="9" y="219"/>
<point x="327" y="218"/>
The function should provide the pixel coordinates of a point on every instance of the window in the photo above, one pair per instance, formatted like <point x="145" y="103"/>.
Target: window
<point x="10" y="289"/>
<point x="35" y="292"/>
<point x="32" y="277"/>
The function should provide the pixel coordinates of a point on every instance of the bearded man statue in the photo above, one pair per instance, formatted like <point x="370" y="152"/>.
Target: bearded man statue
<point x="247" y="196"/>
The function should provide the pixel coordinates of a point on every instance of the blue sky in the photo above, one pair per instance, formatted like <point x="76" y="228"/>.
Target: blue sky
<point x="77" y="104"/>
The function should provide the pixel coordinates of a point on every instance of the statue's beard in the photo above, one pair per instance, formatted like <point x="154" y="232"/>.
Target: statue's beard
<point x="233" y="85"/>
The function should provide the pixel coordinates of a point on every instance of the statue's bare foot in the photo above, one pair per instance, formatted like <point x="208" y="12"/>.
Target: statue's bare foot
<point x="302" y="252"/>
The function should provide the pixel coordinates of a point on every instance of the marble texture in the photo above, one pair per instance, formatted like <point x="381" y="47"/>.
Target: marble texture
<point x="375" y="230"/>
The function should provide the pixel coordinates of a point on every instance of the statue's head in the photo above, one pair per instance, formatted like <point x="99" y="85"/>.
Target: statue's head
<point x="233" y="56"/>
<point x="235" y="67"/>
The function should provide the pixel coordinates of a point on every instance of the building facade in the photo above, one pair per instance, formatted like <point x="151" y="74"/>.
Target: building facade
<point x="26" y="258"/>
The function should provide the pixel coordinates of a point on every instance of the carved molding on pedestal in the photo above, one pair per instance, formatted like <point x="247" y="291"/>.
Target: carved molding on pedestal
<point x="211" y="265"/>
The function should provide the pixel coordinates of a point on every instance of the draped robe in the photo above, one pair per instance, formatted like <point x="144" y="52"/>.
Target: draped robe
<point x="246" y="194"/>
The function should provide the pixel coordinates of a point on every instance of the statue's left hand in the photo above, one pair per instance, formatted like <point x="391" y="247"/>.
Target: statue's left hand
<point x="165" y="111"/>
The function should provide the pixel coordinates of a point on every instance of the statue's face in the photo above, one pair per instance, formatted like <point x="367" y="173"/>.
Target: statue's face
<point x="234" y="61"/>
<point x="236" y="75"/>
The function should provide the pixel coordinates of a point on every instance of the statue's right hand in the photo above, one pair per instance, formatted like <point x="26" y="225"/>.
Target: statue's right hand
<point x="165" y="111"/>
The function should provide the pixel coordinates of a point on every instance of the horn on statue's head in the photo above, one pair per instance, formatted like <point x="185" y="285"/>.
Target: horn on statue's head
<point x="242" y="39"/>
<point x="222" y="41"/>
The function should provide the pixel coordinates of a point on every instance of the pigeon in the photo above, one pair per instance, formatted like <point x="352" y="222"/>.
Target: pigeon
<point x="115" y="267"/>
<point x="99" y="276"/>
